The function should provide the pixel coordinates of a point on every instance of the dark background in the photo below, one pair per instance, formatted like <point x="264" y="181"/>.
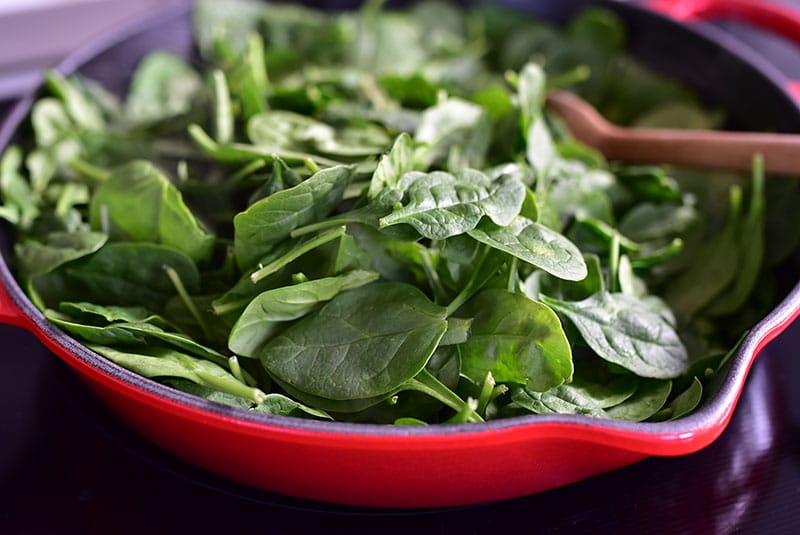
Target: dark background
<point x="67" y="465"/>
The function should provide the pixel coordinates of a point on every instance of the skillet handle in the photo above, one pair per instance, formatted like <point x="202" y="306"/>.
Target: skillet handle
<point x="772" y="16"/>
<point x="10" y="314"/>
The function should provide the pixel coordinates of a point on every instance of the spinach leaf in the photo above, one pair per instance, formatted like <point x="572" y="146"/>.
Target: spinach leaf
<point x="393" y="165"/>
<point x="163" y="87"/>
<point x="441" y="205"/>
<point x="19" y="203"/>
<point x="265" y="314"/>
<point x="624" y="330"/>
<point x="163" y="362"/>
<point x="117" y="274"/>
<point x="683" y="404"/>
<point x="751" y="247"/>
<point x="536" y="244"/>
<point x="453" y="124"/>
<point x="365" y="343"/>
<point x="560" y="400"/>
<point x="58" y="248"/>
<point x="161" y="216"/>
<point x="649" y="397"/>
<point x="271" y="220"/>
<point x="517" y="339"/>
<point x="704" y="280"/>
<point x="284" y="406"/>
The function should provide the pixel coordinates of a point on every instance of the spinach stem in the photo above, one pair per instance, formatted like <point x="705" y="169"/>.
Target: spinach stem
<point x="511" y="285"/>
<point x="296" y="253"/>
<point x="219" y="310"/>
<point x="487" y="389"/>
<point x="325" y="224"/>
<point x="186" y="298"/>
<point x="426" y="383"/>
<point x="248" y="169"/>
<point x="434" y="282"/>
<point x="224" y="115"/>
<point x="475" y="282"/>
<point x="236" y="370"/>
<point x="92" y="172"/>
<point x="613" y="264"/>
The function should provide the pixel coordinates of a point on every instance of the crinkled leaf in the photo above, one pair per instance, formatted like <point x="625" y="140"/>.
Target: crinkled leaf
<point x="440" y="205"/>
<point x="625" y="330"/>
<point x="536" y="244"/>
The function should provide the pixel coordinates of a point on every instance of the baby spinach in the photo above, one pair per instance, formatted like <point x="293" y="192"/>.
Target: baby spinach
<point x="271" y="220"/>
<point x="517" y="339"/>
<point x="161" y="215"/>
<point x="265" y="314"/>
<point x="364" y="343"/>
<point x="624" y="330"/>
<point x="536" y="244"/>
<point x="441" y="205"/>
<point x="117" y="274"/>
<point x="372" y="216"/>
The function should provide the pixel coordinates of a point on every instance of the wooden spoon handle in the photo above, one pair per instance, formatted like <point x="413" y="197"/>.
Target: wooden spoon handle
<point x="703" y="149"/>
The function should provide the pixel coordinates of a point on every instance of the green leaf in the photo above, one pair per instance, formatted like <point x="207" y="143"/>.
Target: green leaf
<point x="365" y="343"/>
<point x="161" y="216"/>
<point x="284" y="406"/>
<point x="683" y="404"/>
<point x="536" y="244"/>
<point x="50" y="122"/>
<point x="649" y="398"/>
<point x="271" y="220"/>
<point x="647" y="221"/>
<point x="625" y="330"/>
<point x="560" y="400"/>
<point x="94" y="313"/>
<point x="392" y="165"/>
<point x="710" y="273"/>
<point x="118" y="274"/>
<point x="163" y="87"/>
<point x="268" y="312"/>
<point x="58" y="248"/>
<point x="83" y="111"/>
<point x="452" y="123"/>
<point x="540" y="149"/>
<point x="285" y="129"/>
<point x="163" y="362"/>
<point x="17" y="196"/>
<point x="517" y="339"/>
<point x="441" y="204"/>
<point x="752" y="248"/>
<point x="532" y="92"/>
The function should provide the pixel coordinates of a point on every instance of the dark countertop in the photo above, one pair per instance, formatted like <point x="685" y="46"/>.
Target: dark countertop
<point x="68" y="466"/>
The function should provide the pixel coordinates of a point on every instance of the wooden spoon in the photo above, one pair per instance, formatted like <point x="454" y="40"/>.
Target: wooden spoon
<point x="707" y="149"/>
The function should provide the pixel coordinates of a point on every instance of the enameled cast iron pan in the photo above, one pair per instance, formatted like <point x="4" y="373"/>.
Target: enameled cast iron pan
<point x="410" y="466"/>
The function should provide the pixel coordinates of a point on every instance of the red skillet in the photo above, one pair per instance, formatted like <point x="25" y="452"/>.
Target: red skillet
<point x="373" y="465"/>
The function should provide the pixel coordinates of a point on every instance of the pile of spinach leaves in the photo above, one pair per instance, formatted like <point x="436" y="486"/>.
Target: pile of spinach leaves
<point x="370" y="216"/>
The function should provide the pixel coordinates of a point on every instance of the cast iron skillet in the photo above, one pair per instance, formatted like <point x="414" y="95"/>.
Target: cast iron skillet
<point x="372" y="465"/>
